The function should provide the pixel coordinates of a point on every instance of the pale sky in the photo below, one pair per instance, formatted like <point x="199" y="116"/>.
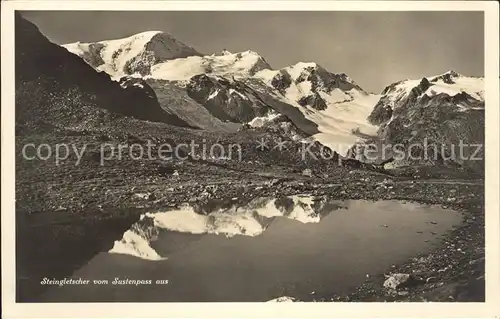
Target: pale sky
<point x="374" y="48"/>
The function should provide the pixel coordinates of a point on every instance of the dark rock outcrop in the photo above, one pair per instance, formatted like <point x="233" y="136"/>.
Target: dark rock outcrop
<point x="228" y="101"/>
<point x="315" y="101"/>
<point x="281" y="81"/>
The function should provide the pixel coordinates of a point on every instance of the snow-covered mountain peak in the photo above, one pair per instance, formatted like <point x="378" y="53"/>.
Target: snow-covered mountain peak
<point x="445" y="109"/>
<point x="141" y="36"/>
<point x="463" y="91"/>
<point x="138" y="40"/>
<point x="308" y="83"/>
<point x="133" y="54"/>
<point x="223" y="52"/>
<point x="448" y="77"/>
<point x="250" y="52"/>
<point x="238" y="65"/>
<point x="297" y="69"/>
<point x="450" y="83"/>
<point x="452" y="73"/>
<point x="347" y="78"/>
<point x="333" y="101"/>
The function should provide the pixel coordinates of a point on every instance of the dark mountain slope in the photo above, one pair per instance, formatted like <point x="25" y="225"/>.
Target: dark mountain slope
<point x="55" y="87"/>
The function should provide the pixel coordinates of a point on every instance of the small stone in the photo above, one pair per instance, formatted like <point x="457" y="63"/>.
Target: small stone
<point x="142" y="195"/>
<point x="307" y="172"/>
<point x="396" y="280"/>
<point x="387" y="181"/>
<point x="284" y="299"/>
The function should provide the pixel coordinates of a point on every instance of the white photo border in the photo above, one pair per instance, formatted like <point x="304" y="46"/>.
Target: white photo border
<point x="488" y="309"/>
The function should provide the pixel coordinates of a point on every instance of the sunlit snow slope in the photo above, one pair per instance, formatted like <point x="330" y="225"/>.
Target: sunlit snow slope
<point x="334" y="102"/>
<point x="131" y="55"/>
<point x="226" y="64"/>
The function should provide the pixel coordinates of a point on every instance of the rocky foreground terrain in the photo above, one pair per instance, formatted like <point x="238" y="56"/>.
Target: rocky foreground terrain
<point x="68" y="211"/>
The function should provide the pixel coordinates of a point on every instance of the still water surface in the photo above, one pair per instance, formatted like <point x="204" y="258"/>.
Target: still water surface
<point x="324" y="246"/>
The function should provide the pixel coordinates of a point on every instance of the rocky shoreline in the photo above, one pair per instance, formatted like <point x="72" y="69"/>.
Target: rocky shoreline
<point x="453" y="272"/>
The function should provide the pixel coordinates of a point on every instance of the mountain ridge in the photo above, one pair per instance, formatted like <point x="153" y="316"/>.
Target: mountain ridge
<point x="243" y="89"/>
<point x="240" y="87"/>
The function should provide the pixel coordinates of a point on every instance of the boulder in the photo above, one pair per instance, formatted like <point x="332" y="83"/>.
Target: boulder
<point x="396" y="281"/>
